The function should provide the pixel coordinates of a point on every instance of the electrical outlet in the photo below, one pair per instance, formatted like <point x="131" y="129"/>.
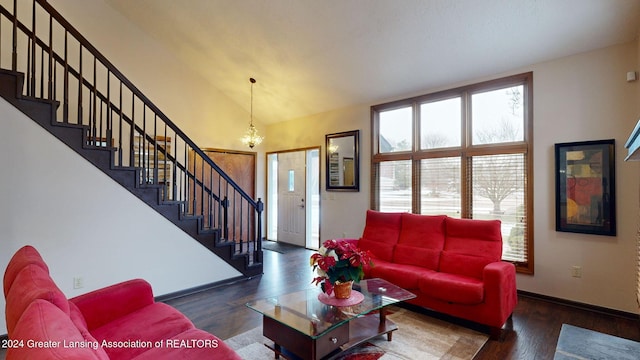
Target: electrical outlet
<point x="78" y="282"/>
<point x="576" y="271"/>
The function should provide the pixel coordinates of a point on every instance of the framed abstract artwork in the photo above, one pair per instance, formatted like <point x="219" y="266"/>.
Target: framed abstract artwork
<point x="585" y="187"/>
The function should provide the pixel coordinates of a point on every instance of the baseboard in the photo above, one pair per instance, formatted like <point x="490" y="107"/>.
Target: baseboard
<point x="579" y="305"/>
<point x="197" y="289"/>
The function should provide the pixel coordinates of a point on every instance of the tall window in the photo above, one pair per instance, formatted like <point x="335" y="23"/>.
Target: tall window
<point x="466" y="153"/>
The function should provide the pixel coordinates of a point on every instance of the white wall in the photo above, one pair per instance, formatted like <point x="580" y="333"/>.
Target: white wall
<point x="585" y="97"/>
<point x="84" y="223"/>
<point x="342" y="214"/>
<point x="578" y="98"/>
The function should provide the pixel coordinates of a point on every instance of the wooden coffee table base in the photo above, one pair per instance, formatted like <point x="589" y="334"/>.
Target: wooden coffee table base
<point x="346" y="336"/>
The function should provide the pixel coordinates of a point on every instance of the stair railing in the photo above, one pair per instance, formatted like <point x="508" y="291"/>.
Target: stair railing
<point x="61" y="65"/>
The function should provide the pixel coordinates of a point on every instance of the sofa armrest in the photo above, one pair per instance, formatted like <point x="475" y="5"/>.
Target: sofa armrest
<point x="104" y="305"/>
<point x="500" y="287"/>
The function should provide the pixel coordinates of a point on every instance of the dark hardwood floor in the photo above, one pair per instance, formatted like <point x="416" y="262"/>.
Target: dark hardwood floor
<point x="533" y="331"/>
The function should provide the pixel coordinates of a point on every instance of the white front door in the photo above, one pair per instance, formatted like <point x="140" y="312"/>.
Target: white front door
<point x="292" y="197"/>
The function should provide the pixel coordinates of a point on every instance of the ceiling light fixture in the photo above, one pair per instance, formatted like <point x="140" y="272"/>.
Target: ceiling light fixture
<point x="251" y="137"/>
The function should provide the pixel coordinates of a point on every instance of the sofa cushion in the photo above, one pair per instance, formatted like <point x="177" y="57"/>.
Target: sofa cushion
<point x="23" y="257"/>
<point x="404" y="276"/>
<point x="422" y="230"/>
<point x="191" y="344"/>
<point x="101" y="306"/>
<point x="378" y="250"/>
<point x="470" y="245"/>
<point x="380" y="235"/>
<point x="465" y="265"/>
<point x="43" y="325"/>
<point x="76" y="317"/>
<point x="453" y="288"/>
<point x="416" y="256"/>
<point x="32" y="282"/>
<point x="421" y="240"/>
<point x="150" y="324"/>
<point x="79" y="322"/>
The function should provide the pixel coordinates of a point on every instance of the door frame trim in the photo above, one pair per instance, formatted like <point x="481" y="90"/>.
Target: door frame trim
<point x="266" y="182"/>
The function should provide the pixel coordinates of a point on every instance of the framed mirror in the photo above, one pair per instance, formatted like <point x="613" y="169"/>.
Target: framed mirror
<point x="343" y="158"/>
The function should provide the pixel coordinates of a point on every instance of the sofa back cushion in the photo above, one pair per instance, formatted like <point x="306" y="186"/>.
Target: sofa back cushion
<point x="31" y="283"/>
<point x="470" y="245"/>
<point x="380" y="235"/>
<point x="421" y="241"/>
<point x="43" y="323"/>
<point x="23" y="257"/>
<point x="80" y="323"/>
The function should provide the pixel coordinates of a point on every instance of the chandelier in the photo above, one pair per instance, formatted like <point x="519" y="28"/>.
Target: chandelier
<point x="251" y="137"/>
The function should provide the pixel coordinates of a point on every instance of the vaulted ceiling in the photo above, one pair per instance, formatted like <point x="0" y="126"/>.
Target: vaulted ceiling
<point x="314" y="56"/>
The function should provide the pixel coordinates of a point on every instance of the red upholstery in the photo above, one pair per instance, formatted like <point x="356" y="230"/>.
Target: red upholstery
<point x="405" y="276"/>
<point x="470" y="246"/>
<point x="23" y="257"/>
<point x="380" y="234"/>
<point x="165" y="321"/>
<point x="453" y="288"/>
<point x="203" y="348"/>
<point x="101" y="306"/>
<point x="44" y="323"/>
<point x="78" y="320"/>
<point x="453" y="265"/>
<point x="421" y="241"/>
<point x="31" y="283"/>
<point x="108" y="318"/>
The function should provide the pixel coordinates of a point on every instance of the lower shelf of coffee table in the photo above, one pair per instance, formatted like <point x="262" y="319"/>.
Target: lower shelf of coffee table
<point x="293" y="344"/>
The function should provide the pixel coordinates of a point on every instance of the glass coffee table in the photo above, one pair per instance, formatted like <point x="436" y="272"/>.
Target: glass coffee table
<point x="300" y="324"/>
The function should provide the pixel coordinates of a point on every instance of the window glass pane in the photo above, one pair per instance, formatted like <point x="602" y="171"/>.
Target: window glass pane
<point x="395" y="130"/>
<point x="440" y="186"/>
<point x="491" y="186"/>
<point x="394" y="179"/>
<point x="291" y="181"/>
<point x="440" y="123"/>
<point x="498" y="116"/>
<point x="499" y="185"/>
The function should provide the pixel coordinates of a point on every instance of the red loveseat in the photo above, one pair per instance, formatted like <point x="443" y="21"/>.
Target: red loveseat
<point x="453" y="265"/>
<point x="118" y="322"/>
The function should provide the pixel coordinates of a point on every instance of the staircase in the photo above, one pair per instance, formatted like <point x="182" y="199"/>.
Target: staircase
<point x="57" y="78"/>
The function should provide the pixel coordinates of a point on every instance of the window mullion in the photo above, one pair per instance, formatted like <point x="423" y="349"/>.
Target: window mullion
<point x="416" y="193"/>
<point x="465" y="186"/>
<point x="415" y="164"/>
<point x="465" y="165"/>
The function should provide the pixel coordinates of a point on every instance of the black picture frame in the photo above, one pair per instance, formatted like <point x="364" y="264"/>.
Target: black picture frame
<point x="586" y="187"/>
<point x="343" y="161"/>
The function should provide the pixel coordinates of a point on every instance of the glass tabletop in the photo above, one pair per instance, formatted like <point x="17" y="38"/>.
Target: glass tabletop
<point x="301" y="310"/>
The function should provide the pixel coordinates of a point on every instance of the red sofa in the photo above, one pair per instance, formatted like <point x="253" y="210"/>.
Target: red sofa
<point x="118" y="322"/>
<point x="453" y="265"/>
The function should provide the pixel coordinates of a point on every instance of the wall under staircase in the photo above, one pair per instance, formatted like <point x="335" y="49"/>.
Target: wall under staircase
<point x="52" y="199"/>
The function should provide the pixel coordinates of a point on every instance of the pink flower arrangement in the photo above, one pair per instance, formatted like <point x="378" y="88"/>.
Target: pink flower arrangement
<point x="338" y="261"/>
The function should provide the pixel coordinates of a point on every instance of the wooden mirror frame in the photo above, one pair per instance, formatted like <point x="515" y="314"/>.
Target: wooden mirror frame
<point x="334" y="162"/>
